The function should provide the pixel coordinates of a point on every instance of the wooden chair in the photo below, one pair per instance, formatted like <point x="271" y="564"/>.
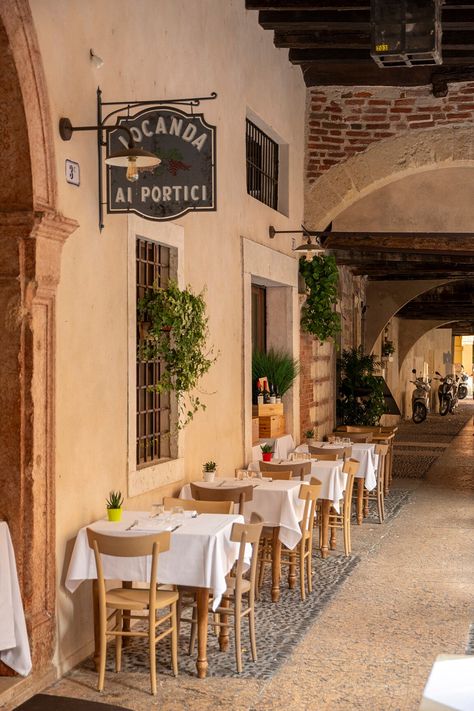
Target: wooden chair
<point x="298" y="470"/>
<point x="326" y="455"/>
<point x="237" y="494"/>
<point x="302" y="554"/>
<point x="238" y="587"/>
<point x="342" y="520"/>
<point x="280" y="475"/>
<point x="363" y="438"/>
<point x="125" y="600"/>
<point x="378" y="493"/>
<point x="214" y="507"/>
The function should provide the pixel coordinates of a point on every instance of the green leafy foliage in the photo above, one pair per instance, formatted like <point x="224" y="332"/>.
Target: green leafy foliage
<point x="279" y="367"/>
<point x="309" y="434"/>
<point x="388" y="348"/>
<point x="317" y="315"/>
<point x="361" y="400"/>
<point x="115" y="500"/>
<point x="177" y="335"/>
<point x="209" y="466"/>
<point x="266" y="448"/>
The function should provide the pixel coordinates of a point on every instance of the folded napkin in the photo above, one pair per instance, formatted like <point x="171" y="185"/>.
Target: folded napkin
<point x="152" y="524"/>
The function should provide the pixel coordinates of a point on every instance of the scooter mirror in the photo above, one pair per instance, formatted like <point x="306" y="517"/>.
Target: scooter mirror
<point x="436" y="372"/>
<point x="414" y="371"/>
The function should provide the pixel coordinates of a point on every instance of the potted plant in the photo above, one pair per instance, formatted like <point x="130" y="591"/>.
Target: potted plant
<point x="209" y="470"/>
<point x="361" y="392"/>
<point x="267" y="452"/>
<point x="321" y="278"/>
<point x="279" y="368"/>
<point x="388" y="349"/>
<point x="114" y="506"/>
<point x="177" y="334"/>
<point x="309" y="436"/>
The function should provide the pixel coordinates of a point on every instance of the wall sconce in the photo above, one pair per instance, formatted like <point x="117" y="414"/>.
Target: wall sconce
<point x="309" y="245"/>
<point x="97" y="61"/>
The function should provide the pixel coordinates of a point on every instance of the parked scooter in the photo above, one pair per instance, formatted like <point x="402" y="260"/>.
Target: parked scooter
<point x="420" y="399"/>
<point x="462" y="386"/>
<point x="447" y="393"/>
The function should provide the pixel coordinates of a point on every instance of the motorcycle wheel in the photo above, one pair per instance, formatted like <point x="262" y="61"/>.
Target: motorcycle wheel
<point x="419" y="413"/>
<point x="462" y="392"/>
<point x="444" y="407"/>
<point x="452" y="406"/>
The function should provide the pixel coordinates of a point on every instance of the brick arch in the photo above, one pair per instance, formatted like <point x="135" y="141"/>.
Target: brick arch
<point x="32" y="233"/>
<point x="384" y="162"/>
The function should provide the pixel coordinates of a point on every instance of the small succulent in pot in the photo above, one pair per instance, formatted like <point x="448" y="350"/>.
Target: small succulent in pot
<point x="209" y="470"/>
<point x="267" y="452"/>
<point x="114" y="505"/>
<point x="309" y="434"/>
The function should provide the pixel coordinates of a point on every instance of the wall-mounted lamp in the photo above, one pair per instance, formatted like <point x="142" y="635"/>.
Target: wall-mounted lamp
<point x="132" y="158"/>
<point x="309" y="245"/>
<point x="97" y="61"/>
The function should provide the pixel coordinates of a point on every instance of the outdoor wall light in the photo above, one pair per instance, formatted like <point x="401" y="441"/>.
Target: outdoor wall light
<point x="132" y="158"/>
<point x="97" y="61"/>
<point x="309" y="245"/>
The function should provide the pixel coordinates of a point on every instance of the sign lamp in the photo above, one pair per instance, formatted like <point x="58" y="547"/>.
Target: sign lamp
<point x="132" y="158"/>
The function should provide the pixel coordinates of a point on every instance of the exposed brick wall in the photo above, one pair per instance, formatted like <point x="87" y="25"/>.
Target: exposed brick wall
<point x="344" y="121"/>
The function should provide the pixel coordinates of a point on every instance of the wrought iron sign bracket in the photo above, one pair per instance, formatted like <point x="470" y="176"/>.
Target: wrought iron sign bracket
<point x="128" y="106"/>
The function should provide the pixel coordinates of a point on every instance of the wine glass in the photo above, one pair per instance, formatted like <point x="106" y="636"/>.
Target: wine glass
<point x="157" y="510"/>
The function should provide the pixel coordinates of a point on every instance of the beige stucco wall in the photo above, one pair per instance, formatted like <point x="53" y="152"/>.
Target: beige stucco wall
<point x="174" y="48"/>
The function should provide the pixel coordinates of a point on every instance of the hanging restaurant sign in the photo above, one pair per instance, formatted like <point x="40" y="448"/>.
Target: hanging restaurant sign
<point x="184" y="181"/>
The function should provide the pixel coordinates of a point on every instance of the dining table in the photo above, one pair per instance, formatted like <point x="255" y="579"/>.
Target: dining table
<point x="278" y="503"/>
<point x="366" y="476"/>
<point x="281" y="447"/>
<point x="200" y="556"/>
<point x="14" y="644"/>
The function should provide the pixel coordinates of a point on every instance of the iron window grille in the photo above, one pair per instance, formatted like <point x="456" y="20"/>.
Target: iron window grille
<point x="262" y="165"/>
<point x="153" y="410"/>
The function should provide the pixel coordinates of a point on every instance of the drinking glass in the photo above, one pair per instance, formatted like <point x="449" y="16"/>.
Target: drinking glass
<point x="177" y="515"/>
<point x="157" y="510"/>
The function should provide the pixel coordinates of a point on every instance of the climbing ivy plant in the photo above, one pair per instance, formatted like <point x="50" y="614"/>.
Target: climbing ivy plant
<point x="321" y="279"/>
<point x="177" y="335"/>
<point x="361" y="393"/>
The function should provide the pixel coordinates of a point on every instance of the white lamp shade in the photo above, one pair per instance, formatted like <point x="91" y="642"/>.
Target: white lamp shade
<point x="141" y="158"/>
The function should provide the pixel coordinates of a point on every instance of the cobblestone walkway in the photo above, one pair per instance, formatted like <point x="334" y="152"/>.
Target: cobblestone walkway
<point x="409" y="599"/>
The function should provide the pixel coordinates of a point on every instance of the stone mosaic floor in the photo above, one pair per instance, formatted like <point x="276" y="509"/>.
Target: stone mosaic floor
<point x="371" y="648"/>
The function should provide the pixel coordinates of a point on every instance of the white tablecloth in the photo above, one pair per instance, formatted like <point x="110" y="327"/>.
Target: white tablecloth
<point x="276" y="501"/>
<point x="363" y="452"/>
<point x="200" y="555"/>
<point x="14" y="645"/>
<point x="450" y="685"/>
<point x="282" y="446"/>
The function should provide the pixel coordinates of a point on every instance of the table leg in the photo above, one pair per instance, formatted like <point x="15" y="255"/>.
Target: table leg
<point x="202" y="598"/>
<point x="126" y="617"/>
<point x="292" y="570"/>
<point x="95" y="612"/>
<point x="276" y="564"/>
<point x="360" y="500"/>
<point x="325" y="507"/>
<point x="224" y="631"/>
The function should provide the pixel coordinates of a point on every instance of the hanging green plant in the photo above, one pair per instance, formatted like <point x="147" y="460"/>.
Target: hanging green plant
<point x="321" y="278"/>
<point x="177" y="334"/>
<point x="361" y="393"/>
<point x="388" y="348"/>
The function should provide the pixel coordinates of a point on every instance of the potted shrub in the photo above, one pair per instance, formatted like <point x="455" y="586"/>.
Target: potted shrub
<point x="278" y="366"/>
<point x="209" y="470"/>
<point x="361" y="392"/>
<point x="114" y="506"/>
<point x="388" y="349"/>
<point x="176" y="334"/>
<point x="321" y="278"/>
<point x="267" y="452"/>
<point x="309" y="436"/>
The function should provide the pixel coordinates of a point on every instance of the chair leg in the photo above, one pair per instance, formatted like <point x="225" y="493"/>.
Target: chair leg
<point x="174" y="639"/>
<point x="193" y="635"/>
<point x="301" y="562"/>
<point x="237" y="631"/>
<point x="152" y="649"/>
<point x="309" y="567"/>
<point x="103" y="649"/>
<point x="118" y="641"/>
<point x="253" y="642"/>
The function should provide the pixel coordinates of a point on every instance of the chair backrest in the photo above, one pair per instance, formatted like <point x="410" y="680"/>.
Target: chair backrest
<point x="280" y="475"/>
<point x="362" y="437"/>
<point x="237" y="494"/>
<point x="310" y="494"/>
<point x="347" y="452"/>
<point x="128" y="547"/>
<point x="211" y="507"/>
<point x="320" y="451"/>
<point x="382" y="451"/>
<point x="298" y="470"/>
<point x="244" y="533"/>
<point x="350" y="468"/>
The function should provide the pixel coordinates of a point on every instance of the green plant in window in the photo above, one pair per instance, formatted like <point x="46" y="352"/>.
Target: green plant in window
<point x="279" y="367"/>
<point x="177" y="335"/>
<point x="321" y="279"/>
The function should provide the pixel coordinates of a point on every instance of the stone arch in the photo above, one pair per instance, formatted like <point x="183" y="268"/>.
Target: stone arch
<point x="384" y="162"/>
<point x="414" y="329"/>
<point x="32" y="233"/>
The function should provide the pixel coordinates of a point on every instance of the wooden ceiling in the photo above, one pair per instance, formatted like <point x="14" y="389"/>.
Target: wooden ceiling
<point x="330" y="40"/>
<point x="453" y="302"/>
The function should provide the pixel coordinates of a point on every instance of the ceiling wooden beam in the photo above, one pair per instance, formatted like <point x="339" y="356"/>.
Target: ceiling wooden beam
<point x="408" y="242"/>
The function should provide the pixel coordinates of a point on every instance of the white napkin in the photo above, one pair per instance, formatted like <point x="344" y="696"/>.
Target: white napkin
<point x="152" y="524"/>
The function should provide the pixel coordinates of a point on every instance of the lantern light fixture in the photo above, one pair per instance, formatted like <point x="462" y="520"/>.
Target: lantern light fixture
<point x="309" y="245"/>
